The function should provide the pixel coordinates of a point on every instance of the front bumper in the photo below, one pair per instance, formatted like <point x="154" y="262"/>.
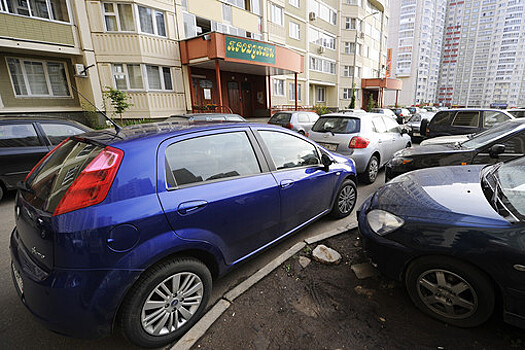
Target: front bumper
<point x="390" y="257"/>
<point x="77" y="303"/>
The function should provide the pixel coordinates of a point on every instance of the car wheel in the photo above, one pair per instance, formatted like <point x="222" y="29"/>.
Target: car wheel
<point x="1" y="192"/>
<point x="345" y="200"/>
<point x="301" y="132"/>
<point x="408" y="145"/>
<point x="165" y="302"/>
<point x="450" y="291"/>
<point x="371" y="171"/>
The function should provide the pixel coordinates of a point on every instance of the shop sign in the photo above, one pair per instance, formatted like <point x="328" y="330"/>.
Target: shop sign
<point x="248" y="50"/>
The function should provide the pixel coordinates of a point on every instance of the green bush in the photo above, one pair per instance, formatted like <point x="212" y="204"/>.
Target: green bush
<point x="319" y="109"/>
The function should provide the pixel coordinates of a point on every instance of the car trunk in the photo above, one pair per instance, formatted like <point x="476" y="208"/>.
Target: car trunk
<point x="335" y="133"/>
<point x="43" y="191"/>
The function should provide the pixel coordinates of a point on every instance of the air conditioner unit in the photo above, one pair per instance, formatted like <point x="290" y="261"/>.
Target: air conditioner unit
<point x="312" y="16"/>
<point x="321" y="49"/>
<point x="361" y="35"/>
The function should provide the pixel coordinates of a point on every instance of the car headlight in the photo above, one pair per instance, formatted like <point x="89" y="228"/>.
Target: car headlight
<point x="397" y="161"/>
<point x="383" y="222"/>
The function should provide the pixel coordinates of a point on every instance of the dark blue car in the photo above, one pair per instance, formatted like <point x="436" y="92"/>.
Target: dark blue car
<point x="127" y="229"/>
<point x="456" y="237"/>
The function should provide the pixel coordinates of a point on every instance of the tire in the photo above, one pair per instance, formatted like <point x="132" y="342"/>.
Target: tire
<point x="450" y="290"/>
<point x="1" y="191"/>
<point x="302" y="132"/>
<point x="145" y="327"/>
<point x="372" y="169"/>
<point x="408" y="145"/>
<point x="423" y="127"/>
<point x="345" y="200"/>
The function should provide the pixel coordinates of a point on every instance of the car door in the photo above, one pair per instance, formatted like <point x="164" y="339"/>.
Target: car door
<point x="514" y="148"/>
<point x="56" y="132"/>
<point x="306" y="189"/>
<point x="215" y="187"/>
<point x="383" y="138"/>
<point x="397" y="141"/>
<point x="20" y="149"/>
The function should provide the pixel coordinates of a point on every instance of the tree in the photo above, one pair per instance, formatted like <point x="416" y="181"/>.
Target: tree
<point x="120" y="101"/>
<point x="370" y="104"/>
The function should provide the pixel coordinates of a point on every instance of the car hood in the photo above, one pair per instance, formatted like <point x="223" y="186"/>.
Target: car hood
<point x="427" y="149"/>
<point x="451" y="193"/>
<point x="444" y="139"/>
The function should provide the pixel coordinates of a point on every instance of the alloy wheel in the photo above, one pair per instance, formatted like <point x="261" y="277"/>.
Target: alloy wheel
<point x="346" y="199"/>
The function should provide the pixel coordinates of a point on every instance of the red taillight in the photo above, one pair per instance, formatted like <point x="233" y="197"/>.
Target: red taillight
<point x="358" y="142"/>
<point x="307" y="135"/>
<point x="289" y="126"/>
<point x="45" y="157"/>
<point x="92" y="185"/>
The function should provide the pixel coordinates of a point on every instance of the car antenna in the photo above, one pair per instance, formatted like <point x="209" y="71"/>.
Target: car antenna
<point x="117" y="127"/>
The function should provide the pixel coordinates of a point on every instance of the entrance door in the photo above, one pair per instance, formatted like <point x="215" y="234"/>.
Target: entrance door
<point x="247" y="105"/>
<point x="234" y="97"/>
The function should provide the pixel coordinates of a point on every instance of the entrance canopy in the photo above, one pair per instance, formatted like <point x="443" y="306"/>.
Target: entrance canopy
<point x="238" y="54"/>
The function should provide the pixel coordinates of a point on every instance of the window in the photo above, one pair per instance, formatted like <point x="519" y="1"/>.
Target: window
<point x="227" y="14"/>
<point x="209" y="158"/>
<point x="349" y="48"/>
<point x="296" y="3"/>
<point x="288" y="151"/>
<point x="322" y="65"/>
<point x="21" y="135"/>
<point x="294" y="30"/>
<point x="515" y="144"/>
<point x="53" y="10"/>
<point x="277" y="14"/>
<point x="38" y="78"/>
<point x="323" y="11"/>
<point x="278" y="87"/>
<point x="118" y="17"/>
<point x="347" y="94"/>
<point x="391" y="125"/>
<point x="347" y="71"/>
<point x="493" y="118"/>
<point x="291" y="91"/>
<point x="379" y="125"/>
<point x="151" y="21"/>
<point x="320" y="94"/>
<point x="136" y="76"/>
<point x="57" y="133"/>
<point x="350" y="23"/>
<point x="468" y="119"/>
<point x="319" y="38"/>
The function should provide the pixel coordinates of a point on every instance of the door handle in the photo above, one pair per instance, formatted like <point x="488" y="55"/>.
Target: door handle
<point x="286" y="183"/>
<point x="191" y="207"/>
<point x="379" y="141"/>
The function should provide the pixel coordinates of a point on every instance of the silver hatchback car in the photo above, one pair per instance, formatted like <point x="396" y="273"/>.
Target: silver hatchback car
<point x="299" y="121"/>
<point x="370" y="139"/>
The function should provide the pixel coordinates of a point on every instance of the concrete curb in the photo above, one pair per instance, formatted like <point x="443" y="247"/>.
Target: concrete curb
<point x="199" y="329"/>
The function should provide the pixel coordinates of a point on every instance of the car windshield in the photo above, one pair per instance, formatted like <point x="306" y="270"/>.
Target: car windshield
<point x="337" y="125"/>
<point x="490" y="135"/>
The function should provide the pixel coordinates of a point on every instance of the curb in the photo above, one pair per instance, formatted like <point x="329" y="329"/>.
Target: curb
<point x="199" y="329"/>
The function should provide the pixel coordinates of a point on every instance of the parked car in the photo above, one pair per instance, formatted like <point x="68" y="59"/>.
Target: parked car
<point x="298" y="121"/>
<point x="414" y="121"/>
<point x="431" y="109"/>
<point x="207" y="117"/>
<point x="454" y="237"/>
<point x="463" y="121"/>
<point x="25" y="140"/>
<point x="503" y="142"/>
<point x="352" y="110"/>
<point x="517" y="112"/>
<point x="402" y="114"/>
<point x="414" y="110"/>
<point x="126" y="229"/>
<point x="369" y="139"/>
<point x="384" y="111"/>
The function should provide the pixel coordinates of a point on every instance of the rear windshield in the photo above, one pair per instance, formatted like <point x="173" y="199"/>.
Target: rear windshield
<point x="337" y="125"/>
<point x="280" y="118"/>
<point x="51" y="180"/>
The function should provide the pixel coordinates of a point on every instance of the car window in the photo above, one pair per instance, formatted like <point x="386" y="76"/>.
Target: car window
<point x="18" y="135"/>
<point x="494" y="118"/>
<point x="211" y="157"/>
<point x="517" y="114"/>
<point x="379" y="124"/>
<point x="515" y="144"/>
<point x="303" y="118"/>
<point x="280" y="118"/>
<point x="57" y="133"/>
<point x="288" y="151"/>
<point x="337" y="125"/>
<point x="415" y="118"/>
<point x="442" y="118"/>
<point x="391" y="125"/>
<point x="491" y="135"/>
<point x="468" y="119"/>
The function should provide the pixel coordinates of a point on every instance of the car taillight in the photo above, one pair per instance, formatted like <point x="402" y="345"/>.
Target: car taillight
<point x="427" y="131"/>
<point x="307" y="135"/>
<point x="45" y="157"/>
<point x="92" y="185"/>
<point x="289" y="126"/>
<point x="358" y="142"/>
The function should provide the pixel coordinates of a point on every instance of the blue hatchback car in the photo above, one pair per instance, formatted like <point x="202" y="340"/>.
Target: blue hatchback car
<point x="127" y="229"/>
<point x="455" y="236"/>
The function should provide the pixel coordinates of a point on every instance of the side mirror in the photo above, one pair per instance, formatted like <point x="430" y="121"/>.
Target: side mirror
<point x="496" y="149"/>
<point x="326" y="161"/>
<point x="404" y="131"/>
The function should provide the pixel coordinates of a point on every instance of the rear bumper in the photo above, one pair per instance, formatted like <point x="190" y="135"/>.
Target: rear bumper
<point x="77" y="303"/>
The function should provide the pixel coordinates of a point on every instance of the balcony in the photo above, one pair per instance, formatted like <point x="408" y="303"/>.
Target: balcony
<point x="156" y="104"/>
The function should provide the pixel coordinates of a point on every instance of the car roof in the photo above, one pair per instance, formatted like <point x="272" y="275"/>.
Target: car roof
<point x="13" y="119"/>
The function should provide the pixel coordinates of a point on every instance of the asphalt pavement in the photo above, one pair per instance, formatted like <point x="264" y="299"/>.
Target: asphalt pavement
<point x="20" y="330"/>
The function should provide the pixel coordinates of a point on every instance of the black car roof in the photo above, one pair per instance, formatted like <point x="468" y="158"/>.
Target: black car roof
<point x="12" y="119"/>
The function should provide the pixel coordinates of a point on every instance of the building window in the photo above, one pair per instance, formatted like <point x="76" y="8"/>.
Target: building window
<point x="320" y="94"/>
<point x="296" y="3"/>
<point x="347" y="94"/>
<point x="151" y="21"/>
<point x="118" y="17"/>
<point x="322" y="39"/>
<point x="322" y="65"/>
<point x="277" y="14"/>
<point x="291" y="92"/>
<point x="53" y="10"/>
<point x="38" y="78"/>
<point x="132" y="77"/>
<point x="347" y="71"/>
<point x="322" y="11"/>
<point x="350" y="48"/>
<point x="278" y="87"/>
<point x="350" y="23"/>
<point x="295" y="30"/>
<point x="227" y="15"/>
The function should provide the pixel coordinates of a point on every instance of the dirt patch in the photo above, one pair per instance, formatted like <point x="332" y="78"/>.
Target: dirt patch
<point x="327" y="307"/>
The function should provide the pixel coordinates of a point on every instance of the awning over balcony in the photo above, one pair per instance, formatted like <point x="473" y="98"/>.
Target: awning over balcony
<point x="236" y="54"/>
<point x="381" y="83"/>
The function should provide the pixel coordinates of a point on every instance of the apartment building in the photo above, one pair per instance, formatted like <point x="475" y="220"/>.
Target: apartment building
<point x="416" y="40"/>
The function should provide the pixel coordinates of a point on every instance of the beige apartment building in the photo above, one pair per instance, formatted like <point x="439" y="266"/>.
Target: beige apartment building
<point x="57" y="54"/>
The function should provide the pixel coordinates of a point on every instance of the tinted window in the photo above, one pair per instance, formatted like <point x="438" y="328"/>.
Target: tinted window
<point x="517" y="114"/>
<point x="515" y="144"/>
<point x="491" y="135"/>
<point x="21" y="135"/>
<point x="470" y="119"/>
<point x="493" y="118"/>
<point x="57" y="133"/>
<point x="337" y="125"/>
<point x="289" y="151"/>
<point x="379" y="125"/>
<point x="442" y="118"/>
<point x="52" y="179"/>
<point x="280" y="118"/>
<point x="391" y="125"/>
<point x="415" y="118"/>
<point x="211" y="157"/>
